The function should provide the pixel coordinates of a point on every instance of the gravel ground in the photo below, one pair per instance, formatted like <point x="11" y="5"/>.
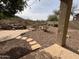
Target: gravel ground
<point x="73" y="41"/>
<point x="45" y="39"/>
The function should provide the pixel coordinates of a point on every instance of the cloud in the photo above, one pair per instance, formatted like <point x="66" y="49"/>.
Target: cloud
<point x="31" y="15"/>
<point x="39" y="10"/>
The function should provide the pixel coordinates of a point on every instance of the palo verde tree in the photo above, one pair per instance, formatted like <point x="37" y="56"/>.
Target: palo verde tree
<point x="9" y="8"/>
<point x="54" y="17"/>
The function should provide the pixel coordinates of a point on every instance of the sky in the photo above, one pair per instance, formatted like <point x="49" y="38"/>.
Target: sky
<point x="41" y="10"/>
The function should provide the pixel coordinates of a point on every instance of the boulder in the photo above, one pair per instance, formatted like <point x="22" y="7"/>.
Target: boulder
<point x="14" y="48"/>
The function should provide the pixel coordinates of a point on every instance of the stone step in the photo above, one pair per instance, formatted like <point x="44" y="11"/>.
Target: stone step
<point x="19" y="37"/>
<point x="24" y="38"/>
<point x="36" y="46"/>
<point x="29" y="39"/>
<point x="32" y="43"/>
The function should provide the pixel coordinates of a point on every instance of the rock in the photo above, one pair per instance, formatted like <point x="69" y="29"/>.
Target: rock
<point x="14" y="48"/>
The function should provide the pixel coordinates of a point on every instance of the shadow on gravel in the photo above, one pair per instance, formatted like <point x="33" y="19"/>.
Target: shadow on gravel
<point x="17" y="52"/>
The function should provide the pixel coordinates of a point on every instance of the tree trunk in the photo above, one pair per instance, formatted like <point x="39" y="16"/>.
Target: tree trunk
<point x="65" y="10"/>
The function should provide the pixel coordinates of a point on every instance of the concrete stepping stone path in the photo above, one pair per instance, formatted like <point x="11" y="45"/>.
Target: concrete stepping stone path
<point x="32" y="43"/>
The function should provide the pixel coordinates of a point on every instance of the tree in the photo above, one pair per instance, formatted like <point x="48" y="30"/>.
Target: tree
<point x="9" y="8"/>
<point x="65" y="10"/>
<point x="56" y="12"/>
<point x="52" y="18"/>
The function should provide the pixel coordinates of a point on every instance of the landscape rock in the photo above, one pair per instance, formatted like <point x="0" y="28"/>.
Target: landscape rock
<point x="14" y="48"/>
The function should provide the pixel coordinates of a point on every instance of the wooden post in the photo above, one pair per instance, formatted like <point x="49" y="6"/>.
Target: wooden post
<point x="65" y="10"/>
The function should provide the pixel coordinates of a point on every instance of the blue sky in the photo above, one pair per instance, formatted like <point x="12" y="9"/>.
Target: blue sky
<point x="41" y="10"/>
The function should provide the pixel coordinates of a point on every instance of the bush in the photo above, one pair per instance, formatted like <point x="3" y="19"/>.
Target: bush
<point x="52" y="18"/>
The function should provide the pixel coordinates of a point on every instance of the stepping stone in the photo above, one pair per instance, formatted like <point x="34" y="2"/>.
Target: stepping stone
<point x="36" y="46"/>
<point x="24" y="38"/>
<point x="33" y="44"/>
<point x="19" y="37"/>
<point x="29" y="39"/>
